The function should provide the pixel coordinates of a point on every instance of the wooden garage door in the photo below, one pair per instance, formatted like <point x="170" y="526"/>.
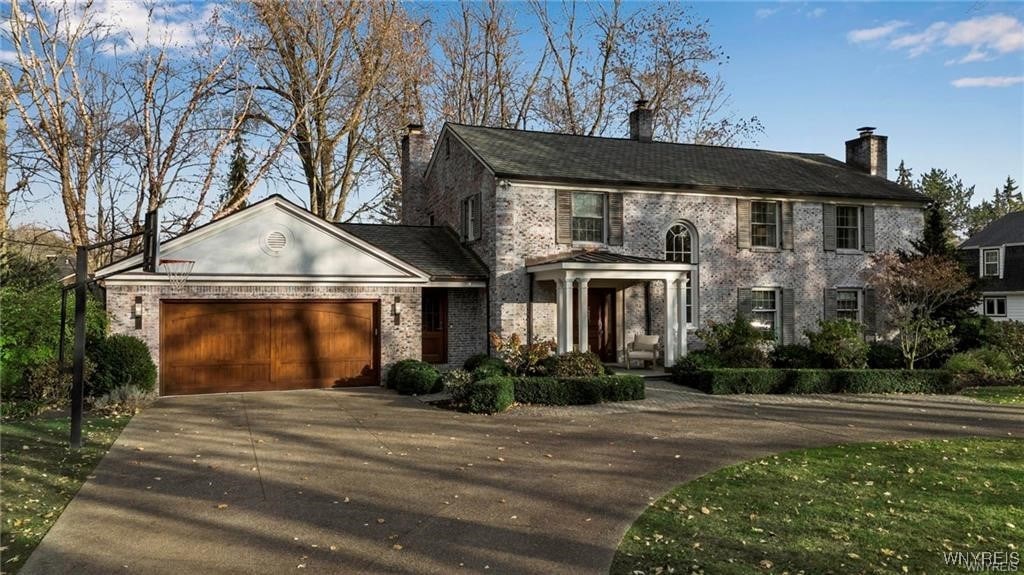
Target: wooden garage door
<point x="217" y="346"/>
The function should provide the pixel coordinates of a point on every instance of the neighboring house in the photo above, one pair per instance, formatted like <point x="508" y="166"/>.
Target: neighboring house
<point x="545" y="235"/>
<point x="996" y="255"/>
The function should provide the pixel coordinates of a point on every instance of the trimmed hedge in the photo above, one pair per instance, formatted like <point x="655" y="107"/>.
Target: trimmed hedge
<point x="412" y="376"/>
<point x="578" y="390"/>
<point x="797" y="381"/>
<point x="490" y="395"/>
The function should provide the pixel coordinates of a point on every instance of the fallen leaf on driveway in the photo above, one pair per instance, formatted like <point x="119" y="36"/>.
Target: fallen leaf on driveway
<point x="222" y="506"/>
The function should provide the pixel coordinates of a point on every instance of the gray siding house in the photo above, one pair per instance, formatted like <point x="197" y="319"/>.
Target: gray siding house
<point x="590" y="241"/>
<point x="996" y="255"/>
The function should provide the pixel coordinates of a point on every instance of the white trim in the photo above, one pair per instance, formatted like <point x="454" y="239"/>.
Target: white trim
<point x="275" y="202"/>
<point x="694" y="240"/>
<point x="999" y="262"/>
<point x="258" y="281"/>
<point x="651" y="270"/>
<point x="751" y="195"/>
<point x="984" y="305"/>
<point x="993" y="293"/>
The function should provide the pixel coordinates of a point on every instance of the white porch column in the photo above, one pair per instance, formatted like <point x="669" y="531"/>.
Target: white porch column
<point x="681" y="316"/>
<point x="671" y="323"/>
<point x="563" y="303"/>
<point x="584" y="315"/>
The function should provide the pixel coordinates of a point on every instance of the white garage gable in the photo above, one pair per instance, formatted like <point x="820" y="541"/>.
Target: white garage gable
<point x="275" y="240"/>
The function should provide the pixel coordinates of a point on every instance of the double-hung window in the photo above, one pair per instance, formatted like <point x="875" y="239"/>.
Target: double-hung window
<point x="848" y="305"/>
<point x="995" y="306"/>
<point x="764" y="224"/>
<point x="848" y="228"/>
<point x="990" y="262"/>
<point x="588" y="217"/>
<point x="765" y="310"/>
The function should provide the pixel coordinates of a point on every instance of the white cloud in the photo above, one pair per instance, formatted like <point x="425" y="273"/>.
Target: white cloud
<point x="876" y="33"/>
<point x="816" y="13"/>
<point x="988" y="82"/>
<point x="8" y="57"/>
<point x="975" y="55"/>
<point x="996" y="33"/>
<point x="765" y="12"/>
<point x="135" y="24"/>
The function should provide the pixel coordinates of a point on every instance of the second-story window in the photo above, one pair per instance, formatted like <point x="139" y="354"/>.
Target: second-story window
<point x="848" y="228"/>
<point x="471" y="218"/>
<point x="679" y="244"/>
<point x="588" y="215"/>
<point x="764" y="224"/>
<point x="990" y="262"/>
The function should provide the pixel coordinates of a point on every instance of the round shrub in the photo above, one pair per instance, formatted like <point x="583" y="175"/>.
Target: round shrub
<point x="984" y="366"/>
<point x="455" y="382"/>
<point x="48" y="385"/>
<point x="883" y="355"/>
<point x="474" y="361"/>
<point x="414" y="377"/>
<point x="491" y="395"/>
<point x="840" y="344"/>
<point x="795" y="356"/>
<point x="121" y="360"/>
<point x="744" y="356"/>
<point x="574" y="364"/>
<point x="489" y="367"/>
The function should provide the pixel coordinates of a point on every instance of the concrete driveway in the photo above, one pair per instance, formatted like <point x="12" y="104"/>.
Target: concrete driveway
<point x="364" y="480"/>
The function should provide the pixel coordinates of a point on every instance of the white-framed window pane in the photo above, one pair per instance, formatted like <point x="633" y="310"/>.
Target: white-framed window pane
<point x="470" y="215"/>
<point x="995" y="306"/>
<point x="588" y="217"/>
<point x="765" y="311"/>
<point x="991" y="262"/>
<point x="689" y="298"/>
<point x="679" y="244"/>
<point x="848" y="227"/>
<point x="848" y="305"/>
<point x="764" y="224"/>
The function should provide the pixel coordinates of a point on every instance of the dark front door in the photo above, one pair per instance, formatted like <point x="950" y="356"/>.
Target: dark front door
<point x="600" y="322"/>
<point x="435" y="325"/>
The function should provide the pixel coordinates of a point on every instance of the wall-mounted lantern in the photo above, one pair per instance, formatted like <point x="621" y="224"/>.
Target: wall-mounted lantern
<point x="396" y="309"/>
<point x="137" y="312"/>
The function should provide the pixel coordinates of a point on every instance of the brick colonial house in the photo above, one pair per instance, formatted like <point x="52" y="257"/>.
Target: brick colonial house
<point x="541" y="234"/>
<point x="996" y="255"/>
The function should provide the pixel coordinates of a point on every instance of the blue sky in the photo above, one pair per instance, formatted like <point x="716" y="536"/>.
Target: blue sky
<point x="814" y="72"/>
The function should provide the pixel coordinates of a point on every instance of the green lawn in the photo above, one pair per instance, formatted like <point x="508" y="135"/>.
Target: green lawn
<point x="40" y="475"/>
<point x="997" y="393"/>
<point x="868" y="508"/>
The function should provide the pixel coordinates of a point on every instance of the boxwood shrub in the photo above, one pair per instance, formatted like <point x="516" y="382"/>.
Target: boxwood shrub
<point x="121" y="360"/>
<point x="797" y="381"/>
<point x="578" y="390"/>
<point x="412" y="376"/>
<point x="491" y="395"/>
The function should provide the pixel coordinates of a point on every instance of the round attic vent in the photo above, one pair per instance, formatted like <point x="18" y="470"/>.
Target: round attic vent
<point x="275" y="241"/>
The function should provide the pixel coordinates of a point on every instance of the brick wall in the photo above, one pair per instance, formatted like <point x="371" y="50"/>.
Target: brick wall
<point x="397" y="341"/>
<point x="467" y="325"/>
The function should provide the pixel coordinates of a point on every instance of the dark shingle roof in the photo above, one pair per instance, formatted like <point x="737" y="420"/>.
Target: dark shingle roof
<point x="435" y="250"/>
<point x="623" y="162"/>
<point x="1008" y="229"/>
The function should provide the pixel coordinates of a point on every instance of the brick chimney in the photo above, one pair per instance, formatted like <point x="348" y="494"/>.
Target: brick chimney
<point x="641" y="122"/>
<point x="416" y="150"/>
<point x="868" y="152"/>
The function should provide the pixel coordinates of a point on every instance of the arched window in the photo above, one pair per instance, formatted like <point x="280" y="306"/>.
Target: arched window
<point x="679" y="241"/>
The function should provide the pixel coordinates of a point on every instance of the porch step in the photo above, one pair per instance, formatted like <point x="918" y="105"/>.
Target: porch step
<point x="657" y="373"/>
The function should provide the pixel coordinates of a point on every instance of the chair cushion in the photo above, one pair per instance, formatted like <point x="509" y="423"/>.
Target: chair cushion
<point x="646" y="342"/>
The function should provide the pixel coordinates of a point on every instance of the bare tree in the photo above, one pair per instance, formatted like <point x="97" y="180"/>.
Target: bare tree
<point x="323" y="66"/>
<point x="55" y="46"/>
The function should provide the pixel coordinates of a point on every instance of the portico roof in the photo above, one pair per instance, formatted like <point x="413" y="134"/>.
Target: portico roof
<point x="601" y="260"/>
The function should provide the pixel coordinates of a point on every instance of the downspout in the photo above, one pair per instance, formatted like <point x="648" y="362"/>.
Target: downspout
<point x="487" y="313"/>
<point x="647" y="308"/>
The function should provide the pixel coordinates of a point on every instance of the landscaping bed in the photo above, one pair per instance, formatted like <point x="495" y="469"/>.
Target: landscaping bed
<point x="776" y="381"/>
<point x="40" y="475"/>
<point x="870" y="508"/>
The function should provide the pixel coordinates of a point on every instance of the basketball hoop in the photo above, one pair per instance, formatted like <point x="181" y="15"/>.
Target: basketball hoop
<point x="177" y="271"/>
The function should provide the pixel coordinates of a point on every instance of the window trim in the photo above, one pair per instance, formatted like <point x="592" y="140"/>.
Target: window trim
<point x="694" y="245"/>
<point x="777" y="296"/>
<point x="604" y="218"/>
<point x="859" y="293"/>
<point x="859" y="210"/>
<point x="777" y="226"/>
<point x="996" y="300"/>
<point x="469" y="212"/>
<point x="998" y="262"/>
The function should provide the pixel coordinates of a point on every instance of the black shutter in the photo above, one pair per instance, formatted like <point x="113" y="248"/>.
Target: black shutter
<point x="788" y="317"/>
<point x="828" y="226"/>
<point x="563" y="217"/>
<point x="787" y="225"/>
<point x="615" y="230"/>
<point x="830" y="297"/>
<point x="868" y="213"/>
<point x="477" y="217"/>
<point x="743" y="224"/>
<point x="464" y="206"/>
<point x="744" y="302"/>
<point x="871" y="312"/>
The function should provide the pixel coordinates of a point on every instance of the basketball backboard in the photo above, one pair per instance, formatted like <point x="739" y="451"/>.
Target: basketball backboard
<point x="151" y="241"/>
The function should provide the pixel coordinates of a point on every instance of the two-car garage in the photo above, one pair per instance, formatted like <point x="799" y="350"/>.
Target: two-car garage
<point x="220" y="346"/>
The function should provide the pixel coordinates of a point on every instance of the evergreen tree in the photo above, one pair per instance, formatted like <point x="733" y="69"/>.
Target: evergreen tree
<point x="1004" y="201"/>
<point x="390" y="211"/>
<point x="952" y="197"/>
<point x="935" y="239"/>
<point x="904" y="176"/>
<point x="238" y="172"/>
